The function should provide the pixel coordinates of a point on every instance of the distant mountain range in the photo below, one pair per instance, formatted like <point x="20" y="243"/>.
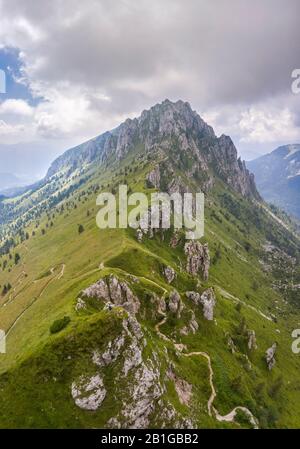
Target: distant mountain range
<point x="12" y="185"/>
<point x="8" y="180"/>
<point x="277" y="177"/>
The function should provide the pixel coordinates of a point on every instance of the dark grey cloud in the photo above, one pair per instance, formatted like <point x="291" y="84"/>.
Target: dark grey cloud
<point x="222" y="51"/>
<point x="124" y="56"/>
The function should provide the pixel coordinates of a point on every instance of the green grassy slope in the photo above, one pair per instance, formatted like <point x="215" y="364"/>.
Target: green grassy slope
<point x="58" y="263"/>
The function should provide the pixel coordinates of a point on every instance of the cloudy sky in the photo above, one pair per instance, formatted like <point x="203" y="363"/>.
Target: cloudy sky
<point x="77" y="68"/>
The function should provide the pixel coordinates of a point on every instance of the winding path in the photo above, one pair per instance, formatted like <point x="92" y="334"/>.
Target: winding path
<point x="230" y="417"/>
<point x="55" y="277"/>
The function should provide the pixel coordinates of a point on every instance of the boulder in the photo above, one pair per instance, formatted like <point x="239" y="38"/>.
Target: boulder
<point x="270" y="356"/>
<point x="174" y="303"/>
<point x="169" y="274"/>
<point x="208" y="300"/>
<point x="251" y="340"/>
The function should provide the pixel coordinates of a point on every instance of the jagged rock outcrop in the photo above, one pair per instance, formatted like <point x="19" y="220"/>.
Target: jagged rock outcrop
<point x="174" y="303"/>
<point x="143" y="389"/>
<point x="252" y="345"/>
<point x="270" y="356"/>
<point x="207" y="300"/>
<point x="88" y="393"/>
<point x="169" y="273"/>
<point x="232" y="169"/>
<point x="153" y="178"/>
<point x="144" y="392"/>
<point x="111" y="353"/>
<point x="198" y="258"/>
<point x="110" y="289"/>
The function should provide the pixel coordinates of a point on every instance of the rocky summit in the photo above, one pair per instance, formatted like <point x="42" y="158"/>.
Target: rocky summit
<point x="141" y="328"/>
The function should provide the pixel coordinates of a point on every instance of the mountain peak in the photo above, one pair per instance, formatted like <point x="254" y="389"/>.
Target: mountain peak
<point x="174" y="129"/>
<point x="173" y="116"/>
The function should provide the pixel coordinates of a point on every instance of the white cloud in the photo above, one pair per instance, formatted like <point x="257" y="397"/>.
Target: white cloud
<point x="11" y="133"/>
<point x="94" y="63"/>
<point x="16" y="107"/>
<point x="263" y="125"/>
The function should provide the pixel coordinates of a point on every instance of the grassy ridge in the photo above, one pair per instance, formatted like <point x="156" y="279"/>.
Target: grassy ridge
<point x="56" y="265"/>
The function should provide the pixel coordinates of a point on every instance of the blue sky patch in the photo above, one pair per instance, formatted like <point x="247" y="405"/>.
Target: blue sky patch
<point x="11" y="65"/>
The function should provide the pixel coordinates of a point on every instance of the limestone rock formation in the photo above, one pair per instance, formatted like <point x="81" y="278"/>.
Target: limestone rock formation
<point x="153" y="178"/>
<point x="198" y="258"/>
<point x="169" y="274"/>
<point x="270" y="356"/>
<point x="252" y="340"/>
<point x="110" y="289"/>
<point x="174" y="303"/>
<point x="207" y="299"/>
<point x="88" y="394"/>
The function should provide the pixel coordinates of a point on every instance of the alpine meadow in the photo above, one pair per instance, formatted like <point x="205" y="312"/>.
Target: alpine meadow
<point x="149" y="222"/>
<point x="185" y="333"/>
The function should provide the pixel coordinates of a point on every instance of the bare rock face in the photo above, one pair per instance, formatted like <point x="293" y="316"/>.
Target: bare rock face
<point x="251" y="340"/>
<point x="98" y="290"/>
<point x="198" y="258"/>
<point x="153" y="178"/>
<point x="111" y="353"/>
<point x="88" y="394"/>
<point x="169" y="274"/>
<point x="174" y="304"/>
<point x="143" y="388"/>
<point x="193" y="296"/>
<point x="270" y="356"/>
<point x="156" y="130"/>
<point x="207" y="300"/>
<point x="233" y="169"/>
<point x="112" y="290"/>
<point x="145" y="391"/>
<point x="162" y="306"/>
